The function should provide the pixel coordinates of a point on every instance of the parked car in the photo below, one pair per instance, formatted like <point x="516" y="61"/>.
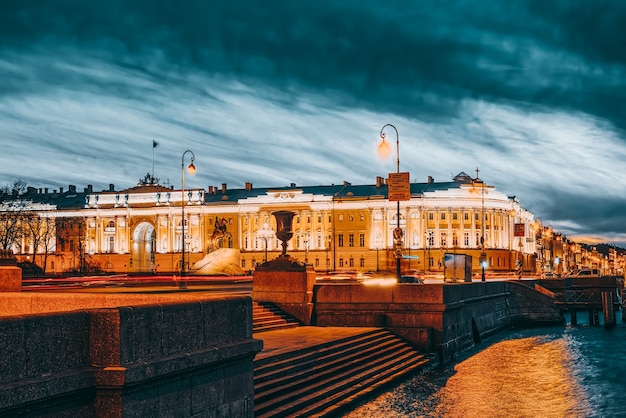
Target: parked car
<point x="549" y="275"/>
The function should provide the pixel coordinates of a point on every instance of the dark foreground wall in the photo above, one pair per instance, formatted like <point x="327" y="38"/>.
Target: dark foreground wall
<point x="441" y="318"/>
<point x="176" y="359"/>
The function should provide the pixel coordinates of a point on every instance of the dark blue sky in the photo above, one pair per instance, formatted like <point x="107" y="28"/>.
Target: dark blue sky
<point x="275" y="92"/>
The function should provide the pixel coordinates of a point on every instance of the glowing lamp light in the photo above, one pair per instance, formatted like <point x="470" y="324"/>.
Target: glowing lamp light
<point x="384" y="149"/>
<point x="191" y="169"/>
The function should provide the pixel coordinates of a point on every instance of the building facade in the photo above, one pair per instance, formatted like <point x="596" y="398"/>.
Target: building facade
<point x="336" y="227"/>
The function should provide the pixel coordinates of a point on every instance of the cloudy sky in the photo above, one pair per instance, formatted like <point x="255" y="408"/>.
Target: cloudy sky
<point x="279" y="91"/>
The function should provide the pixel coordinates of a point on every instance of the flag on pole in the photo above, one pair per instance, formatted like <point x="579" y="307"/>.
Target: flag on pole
<point x="154" y="144"/>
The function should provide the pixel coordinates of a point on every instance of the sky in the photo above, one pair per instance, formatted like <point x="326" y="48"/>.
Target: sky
<point x="276" y="92"/>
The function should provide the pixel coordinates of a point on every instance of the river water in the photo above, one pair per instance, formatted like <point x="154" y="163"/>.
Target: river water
<point x="543" y="372"/>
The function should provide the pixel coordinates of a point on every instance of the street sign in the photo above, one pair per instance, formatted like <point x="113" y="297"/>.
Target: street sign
<point x="519" y="230"/>
<point x="399" y="187"/>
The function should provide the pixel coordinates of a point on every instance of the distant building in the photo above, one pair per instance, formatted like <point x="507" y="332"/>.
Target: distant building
<point x="336" y="227"/>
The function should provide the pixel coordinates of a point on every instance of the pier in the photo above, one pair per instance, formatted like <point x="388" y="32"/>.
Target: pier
<point x="573" y="295"/>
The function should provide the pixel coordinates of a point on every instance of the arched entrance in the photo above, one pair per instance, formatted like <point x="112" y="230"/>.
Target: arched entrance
<point x="144" y="243"/>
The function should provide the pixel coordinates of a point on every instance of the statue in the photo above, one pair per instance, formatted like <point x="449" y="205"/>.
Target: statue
<point x="219" y="232"/>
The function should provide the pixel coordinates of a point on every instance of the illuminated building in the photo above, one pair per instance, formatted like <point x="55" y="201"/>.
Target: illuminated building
<point x="336" y="227"/>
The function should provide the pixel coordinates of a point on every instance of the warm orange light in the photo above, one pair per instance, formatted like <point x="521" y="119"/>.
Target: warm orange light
<point x="384" y="149"/>
<point x="191" y="169"/>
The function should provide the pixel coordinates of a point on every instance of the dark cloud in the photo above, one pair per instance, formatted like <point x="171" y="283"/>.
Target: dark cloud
<point x="530" y="91"/>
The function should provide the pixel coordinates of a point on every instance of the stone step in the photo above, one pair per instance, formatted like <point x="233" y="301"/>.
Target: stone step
<point x="267" y="317"/>
<point x="325" y="378"/>
<point x="304" y="359"/>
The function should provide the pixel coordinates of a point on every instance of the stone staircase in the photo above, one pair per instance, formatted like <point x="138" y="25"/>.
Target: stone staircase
<point x="267" y="317"/>
<point x="330" y="378"/>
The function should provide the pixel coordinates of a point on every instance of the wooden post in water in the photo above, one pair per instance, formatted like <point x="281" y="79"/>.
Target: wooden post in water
<point x="607" y="309"/>
<point x="574" y="319"/>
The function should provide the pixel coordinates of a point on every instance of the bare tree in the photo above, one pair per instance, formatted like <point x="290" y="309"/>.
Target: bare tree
<point x="13" y="191"/>
<point x="70" y="231"/>
<point x="40" y="231"/>
<point x="11" y="224"/>
<point x="11" y="212"/>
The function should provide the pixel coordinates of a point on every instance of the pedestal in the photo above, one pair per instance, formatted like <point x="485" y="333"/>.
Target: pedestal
<point x="288" y="284"/>
<point x="10" y="274"/>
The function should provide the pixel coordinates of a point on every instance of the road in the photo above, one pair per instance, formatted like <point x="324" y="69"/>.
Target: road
<point x="216" y="285"/>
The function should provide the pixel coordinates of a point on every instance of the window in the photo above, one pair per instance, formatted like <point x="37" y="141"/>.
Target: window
<point x="351" y="240"/>
<point x="317" y="262"/>
<point x="341" y="217"/>
<point x="455" y="240"/>
<point x="362" y="217"/>
<point x="350" y="218"/>
<point x="319" y="219"/>
<point x="110" y="244"/>
<point x="443" y="216"/>
<point x="351" y="262"/>
<point x="431" y="239"/>
<point x="444" y="239"/>
<point x="362" y="262"/>
<point x="475" y="216"/>
<point x="340" y="261"/>
<point x="477" y="239"/>
<point x="466" y="239"/>
<point x="466" y="216"/>
<point x="361" y="240"/>
<point x="430" y="216"/>
<point x="308" y="219"/>
<point x="243" y="263"/>
<point x="455" y="216"/>
<point x="340" y="240"/>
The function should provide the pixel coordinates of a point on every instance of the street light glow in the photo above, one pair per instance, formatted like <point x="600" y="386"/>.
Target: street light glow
<point x="384" y="149"/>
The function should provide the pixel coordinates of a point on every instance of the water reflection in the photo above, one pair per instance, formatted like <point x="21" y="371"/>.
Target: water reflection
<point x="554" y="372"/>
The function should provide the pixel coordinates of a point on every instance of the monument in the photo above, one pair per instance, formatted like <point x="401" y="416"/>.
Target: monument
<point x="285" y="281"/>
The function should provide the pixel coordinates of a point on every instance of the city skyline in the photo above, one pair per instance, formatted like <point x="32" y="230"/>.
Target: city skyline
<point x="291" y="92"/>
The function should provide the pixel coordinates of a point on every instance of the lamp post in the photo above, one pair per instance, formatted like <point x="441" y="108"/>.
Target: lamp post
<point x="306" y="248"/>
<point x="328" y="243"/>
<point x="191" y="169"/>
<point x="384" y="150"/>
<point x="265" y="234"/>
<point x="483" y="255"/>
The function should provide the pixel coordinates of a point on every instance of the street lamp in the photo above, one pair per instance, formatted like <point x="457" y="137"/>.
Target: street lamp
<point x="306" y="248"/>
<point x="384" y="150"/>
<point x="483" y="255"/>
<point x="265" y="233"/>
<point x="191" y="169"/>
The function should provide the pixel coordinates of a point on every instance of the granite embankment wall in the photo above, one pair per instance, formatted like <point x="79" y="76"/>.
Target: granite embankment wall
<point x="439" y="318"/>
<point x="175" y="358"/>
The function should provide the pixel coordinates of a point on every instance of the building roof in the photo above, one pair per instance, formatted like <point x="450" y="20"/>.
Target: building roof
<point x="74" y="199"/>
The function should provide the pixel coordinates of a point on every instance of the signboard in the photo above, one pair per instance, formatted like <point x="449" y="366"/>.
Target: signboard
<point x="399" y="187"/>
<point x="519" y="230"/>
